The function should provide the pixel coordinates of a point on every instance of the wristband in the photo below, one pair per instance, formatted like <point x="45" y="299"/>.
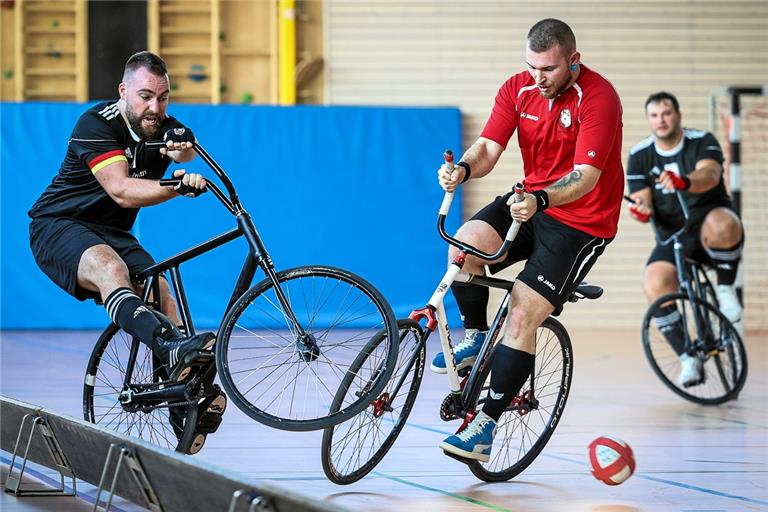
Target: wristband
<point x="468" y="171"/>
<point x="687" y="182"/>
<point x="542" y="199"/>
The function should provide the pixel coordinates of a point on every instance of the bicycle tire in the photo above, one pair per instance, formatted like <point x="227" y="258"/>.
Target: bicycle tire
<point x="256" y="348"/>
<point x="553" y="370"/>
<point x="723" y="360"/>
<point x="104" y="382"/>
<point x="354" y="448"/>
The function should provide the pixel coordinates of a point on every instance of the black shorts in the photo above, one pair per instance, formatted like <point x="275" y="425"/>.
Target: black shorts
<point x="692" y="246"/>
<point x="58" y="244"/>
<point x="558" y="256"/>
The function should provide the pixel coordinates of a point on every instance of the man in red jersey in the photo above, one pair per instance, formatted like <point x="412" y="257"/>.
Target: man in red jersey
<point x="568" y="122"/>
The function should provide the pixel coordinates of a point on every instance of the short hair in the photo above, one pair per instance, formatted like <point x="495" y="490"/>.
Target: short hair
<point x="145" y="59"/>
<point x="660" y="96"/>
<point x="550" y="32"/>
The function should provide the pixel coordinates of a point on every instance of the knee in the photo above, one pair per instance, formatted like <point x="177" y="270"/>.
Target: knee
<point x="659" y="280"/>
<point x="115" y="270"/>
<point x="721" y="228"/>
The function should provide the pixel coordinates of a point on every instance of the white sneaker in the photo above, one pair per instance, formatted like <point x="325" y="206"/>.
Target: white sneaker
<point x="689" y="371"/>
<point x="730" y="306"/>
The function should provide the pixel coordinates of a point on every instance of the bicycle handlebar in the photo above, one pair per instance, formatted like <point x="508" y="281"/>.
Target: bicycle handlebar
<point x="232" y="203"/>
<point x="671" y="238"/>
<point x="445" y="207"/>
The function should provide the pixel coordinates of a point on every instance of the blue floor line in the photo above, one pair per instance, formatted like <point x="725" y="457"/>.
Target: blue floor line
<point x="637" y="475"/>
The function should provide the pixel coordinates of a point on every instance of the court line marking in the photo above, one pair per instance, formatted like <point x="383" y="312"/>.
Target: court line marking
<point x="457" y="496"/>
<point x="638" y="475"/>
<point x="55" y="483"/>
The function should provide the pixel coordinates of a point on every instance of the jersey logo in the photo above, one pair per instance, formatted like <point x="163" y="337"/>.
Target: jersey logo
<point x="526" y="115"/>
<point x="591" y="153"/>
<point x="565" y="118"/>
<point x="128" y="153"/>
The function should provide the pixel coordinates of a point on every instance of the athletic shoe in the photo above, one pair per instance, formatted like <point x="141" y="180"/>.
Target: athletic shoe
<point x="464" y="353"/>
<point x="730" y="306"/>
<point x="177" y="354"/>
<point x="473" y="441"/>
<point x="690" y="373"/>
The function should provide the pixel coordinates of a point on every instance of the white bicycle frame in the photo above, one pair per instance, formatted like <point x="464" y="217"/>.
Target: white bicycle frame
<point x="434" y="311"/>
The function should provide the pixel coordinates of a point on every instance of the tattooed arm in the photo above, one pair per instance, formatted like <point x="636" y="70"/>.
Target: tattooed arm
<point x="577" y="183"/>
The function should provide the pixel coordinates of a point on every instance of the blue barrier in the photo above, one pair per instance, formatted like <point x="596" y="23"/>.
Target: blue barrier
<point x="352" y="187"/>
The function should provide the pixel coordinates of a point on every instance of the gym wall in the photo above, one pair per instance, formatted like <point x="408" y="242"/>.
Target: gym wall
<point x="460" y="52"/>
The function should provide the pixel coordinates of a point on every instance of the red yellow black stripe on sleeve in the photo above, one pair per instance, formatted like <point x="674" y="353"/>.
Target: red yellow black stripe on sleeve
<point x="103" y="160"/>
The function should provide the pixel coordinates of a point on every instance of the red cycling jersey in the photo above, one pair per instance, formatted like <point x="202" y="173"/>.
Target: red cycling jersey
<point x="580" y="126"/>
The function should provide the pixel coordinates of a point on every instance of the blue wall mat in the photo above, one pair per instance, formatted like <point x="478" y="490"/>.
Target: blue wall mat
<point x="352" y="187"/>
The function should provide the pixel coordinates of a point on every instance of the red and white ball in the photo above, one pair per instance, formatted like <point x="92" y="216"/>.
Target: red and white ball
<point x="611" y="460"/>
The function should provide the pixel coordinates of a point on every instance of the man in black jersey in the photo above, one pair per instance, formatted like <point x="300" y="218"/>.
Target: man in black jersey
<point x="79" y="233"/>
<point x="675" y="158"/>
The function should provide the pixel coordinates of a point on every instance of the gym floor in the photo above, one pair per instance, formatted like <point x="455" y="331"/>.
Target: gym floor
<point x="689" y="457"/>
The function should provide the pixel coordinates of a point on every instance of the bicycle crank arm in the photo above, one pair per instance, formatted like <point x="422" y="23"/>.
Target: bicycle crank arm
<point x="170" y="393"/>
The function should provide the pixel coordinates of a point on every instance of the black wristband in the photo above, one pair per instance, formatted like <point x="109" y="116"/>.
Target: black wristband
<point x="687" y="182"/>
<point x="542" y="199"/>
<point x="468" y="171"/>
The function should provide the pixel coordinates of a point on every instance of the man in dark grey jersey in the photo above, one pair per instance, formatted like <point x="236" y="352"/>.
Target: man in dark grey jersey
<point x="675" y="158"/>
<point x="80" y="229"/>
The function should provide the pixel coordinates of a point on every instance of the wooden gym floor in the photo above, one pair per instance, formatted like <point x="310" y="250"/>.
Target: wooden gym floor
<point x="690" y="458"/>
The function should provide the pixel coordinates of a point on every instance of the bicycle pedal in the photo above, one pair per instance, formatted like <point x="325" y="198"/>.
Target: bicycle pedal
<point x="199" y="358"/>
<point x="459" y="458"/>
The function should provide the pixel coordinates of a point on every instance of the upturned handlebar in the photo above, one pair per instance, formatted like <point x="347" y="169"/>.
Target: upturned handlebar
<point x="445" y="207"/>
<point x="656" y="232"/>
<point x="232" y="203"/>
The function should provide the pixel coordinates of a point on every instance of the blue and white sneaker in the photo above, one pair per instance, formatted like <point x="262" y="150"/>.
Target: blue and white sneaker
<point x="464" y="353"/>
<point x="473" y="441"/>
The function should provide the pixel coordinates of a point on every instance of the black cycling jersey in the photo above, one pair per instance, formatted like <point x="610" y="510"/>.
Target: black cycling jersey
<point x="646" y="163"/>
<point x="100" y="137"/>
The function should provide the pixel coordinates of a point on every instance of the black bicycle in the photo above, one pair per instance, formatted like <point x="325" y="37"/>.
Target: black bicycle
<point x="352" y="449"/>
<point x="284" y="346"/>
<point x="708" y="335"/>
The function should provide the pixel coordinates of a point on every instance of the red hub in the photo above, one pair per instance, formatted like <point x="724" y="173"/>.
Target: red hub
<point x="380" y="405"/>
<point x="520" y="401"/>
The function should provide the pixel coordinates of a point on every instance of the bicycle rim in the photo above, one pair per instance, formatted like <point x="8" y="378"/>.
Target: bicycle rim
<point x="521" y="437"/>
<point x="352" y="449"/>
<point x="273" y="376"/>
<point x="104" y="383"/>
<point x="720" y="351"/>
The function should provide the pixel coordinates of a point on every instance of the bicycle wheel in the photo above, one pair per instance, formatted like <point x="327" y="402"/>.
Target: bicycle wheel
<point x="286" y="382"/>
<point x="525" y="427"/>
<point x="352" y="449"/>
<point x="720" y="350"/>
<point x="104" y="379"/>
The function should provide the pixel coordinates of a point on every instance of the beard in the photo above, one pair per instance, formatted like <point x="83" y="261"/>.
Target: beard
<point x="135" y="121"/>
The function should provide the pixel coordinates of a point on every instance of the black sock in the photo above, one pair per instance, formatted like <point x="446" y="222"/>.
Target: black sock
<point x="128" y="311"/>
<point x="669" y="322"/>
<point x="726" y="262"/>
<point x="473" y="304"/>
<point x="510" y="368"/>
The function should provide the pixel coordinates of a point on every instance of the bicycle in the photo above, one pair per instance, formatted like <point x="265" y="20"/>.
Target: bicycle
<point x="709" y="335"/>
<point x="283" y="346"/>
<point x="351" y="450"/>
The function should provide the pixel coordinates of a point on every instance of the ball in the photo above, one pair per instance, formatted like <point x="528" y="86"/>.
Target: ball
<point x="611" y="460"/>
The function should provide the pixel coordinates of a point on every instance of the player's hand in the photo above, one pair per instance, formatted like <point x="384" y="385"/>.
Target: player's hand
<point x="673" y="181"/>
<point x="177" y="139"/>
<point x="640" y="211"/>
<point x="191" y="185"/>
<point x="450" y="179"/>
<point x="522" y="210"/>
